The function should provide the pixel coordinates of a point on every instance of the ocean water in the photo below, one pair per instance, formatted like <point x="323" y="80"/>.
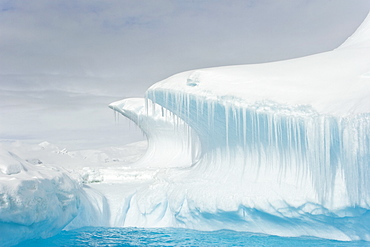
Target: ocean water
<point x="94" y="236"/>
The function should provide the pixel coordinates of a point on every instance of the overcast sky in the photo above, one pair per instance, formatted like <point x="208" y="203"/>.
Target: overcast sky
<point x="62" y="62"/>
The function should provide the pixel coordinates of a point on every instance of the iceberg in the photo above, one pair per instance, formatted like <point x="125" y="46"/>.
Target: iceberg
<point x="35" y="200"/>
<point x="280" y="148"/>
<point x="38" y="199"/>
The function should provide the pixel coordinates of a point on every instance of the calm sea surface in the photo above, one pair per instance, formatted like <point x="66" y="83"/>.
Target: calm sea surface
<point x="93" y="236"/>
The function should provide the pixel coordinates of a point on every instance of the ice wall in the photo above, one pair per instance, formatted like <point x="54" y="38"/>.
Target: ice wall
<point x="267" y="141"/>
<point x="284" y="147"/>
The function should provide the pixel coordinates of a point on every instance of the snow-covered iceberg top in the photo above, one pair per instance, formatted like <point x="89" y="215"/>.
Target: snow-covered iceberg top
<point x="333" y="83"/>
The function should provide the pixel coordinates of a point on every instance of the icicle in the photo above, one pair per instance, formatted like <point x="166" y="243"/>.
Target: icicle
<point x="307" y="148"/>
<point x="244" y="123"/>
<point x="153" y="108"/>
<point x="227" y="128"/>
<point x="147" y="106"/>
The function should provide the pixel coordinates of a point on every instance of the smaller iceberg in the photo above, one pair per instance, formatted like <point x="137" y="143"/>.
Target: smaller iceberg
<point x="38" y="200"/>
<point x="35" y="200"/>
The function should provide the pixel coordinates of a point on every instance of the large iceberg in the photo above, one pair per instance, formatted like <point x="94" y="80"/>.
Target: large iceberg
<point x="279" y="148"/>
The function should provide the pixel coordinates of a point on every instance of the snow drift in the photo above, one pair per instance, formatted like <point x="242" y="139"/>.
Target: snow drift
<point x="281" y="148"/>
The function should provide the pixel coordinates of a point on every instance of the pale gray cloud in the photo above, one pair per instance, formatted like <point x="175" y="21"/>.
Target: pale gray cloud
<point x="62" y="62"/>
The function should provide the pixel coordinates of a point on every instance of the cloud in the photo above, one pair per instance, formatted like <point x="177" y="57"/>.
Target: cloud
<point x="106" y="38"/>
<point x="101" y="51"/>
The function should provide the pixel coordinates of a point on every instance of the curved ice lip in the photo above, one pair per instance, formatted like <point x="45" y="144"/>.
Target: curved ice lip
<point x="171" y="143"/>
<point x="130" y="108"/>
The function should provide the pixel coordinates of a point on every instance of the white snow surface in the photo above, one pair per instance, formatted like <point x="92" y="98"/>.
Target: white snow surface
<point x="279" y="148"/>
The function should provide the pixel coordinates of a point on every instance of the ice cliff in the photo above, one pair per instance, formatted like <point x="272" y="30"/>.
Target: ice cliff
<point x="280" y="148"/>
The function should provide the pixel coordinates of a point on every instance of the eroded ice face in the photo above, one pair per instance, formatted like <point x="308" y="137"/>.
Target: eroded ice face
<point x="277" y="143"/>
